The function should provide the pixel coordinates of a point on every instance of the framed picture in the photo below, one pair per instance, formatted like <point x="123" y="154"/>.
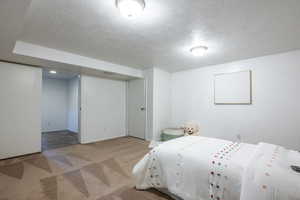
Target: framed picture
<point x="233" y="88"/>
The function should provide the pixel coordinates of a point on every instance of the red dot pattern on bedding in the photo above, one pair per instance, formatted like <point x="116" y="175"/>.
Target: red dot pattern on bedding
<point x="218" y="165"/>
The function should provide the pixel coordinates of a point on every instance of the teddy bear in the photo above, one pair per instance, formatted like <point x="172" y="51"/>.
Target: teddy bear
<point x="191" y="128"/>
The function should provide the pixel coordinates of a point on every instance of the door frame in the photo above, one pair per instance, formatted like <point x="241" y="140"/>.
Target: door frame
<point x="79" y="109"/>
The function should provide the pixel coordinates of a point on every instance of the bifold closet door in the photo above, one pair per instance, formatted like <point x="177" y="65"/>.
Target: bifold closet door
<point x="20" y="110"/>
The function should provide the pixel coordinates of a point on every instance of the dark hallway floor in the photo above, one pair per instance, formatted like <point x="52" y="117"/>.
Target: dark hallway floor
<point x="54" y="140"/>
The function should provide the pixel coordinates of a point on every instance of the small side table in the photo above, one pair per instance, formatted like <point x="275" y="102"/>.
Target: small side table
<point x="171" y="133"/>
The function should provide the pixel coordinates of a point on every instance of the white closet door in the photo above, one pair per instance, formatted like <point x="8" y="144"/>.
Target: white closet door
<point x="20" y="116"/>
<point x="136" y="108"/>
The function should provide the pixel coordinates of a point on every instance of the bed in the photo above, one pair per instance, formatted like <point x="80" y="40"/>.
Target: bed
<point x="201" y="168"/>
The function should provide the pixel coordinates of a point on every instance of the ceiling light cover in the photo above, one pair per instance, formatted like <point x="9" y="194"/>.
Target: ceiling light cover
<point x="52" y="72"/>
<point x="131" y="8"/>
<point x="199" y="50"/>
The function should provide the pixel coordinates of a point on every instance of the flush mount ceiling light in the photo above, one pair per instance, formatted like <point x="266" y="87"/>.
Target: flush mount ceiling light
<point x="199" y="50"/>
<point x="131" y="8"/>
<point x="52" y="72"/>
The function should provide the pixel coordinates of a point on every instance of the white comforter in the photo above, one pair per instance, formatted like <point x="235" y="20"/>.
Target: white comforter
<point x="199" y="168"/>
<point x="269" y="175"/>
<point x="184" y="166"/>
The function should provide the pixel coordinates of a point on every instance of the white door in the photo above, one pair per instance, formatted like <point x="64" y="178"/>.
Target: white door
<point x="136" y="108"/>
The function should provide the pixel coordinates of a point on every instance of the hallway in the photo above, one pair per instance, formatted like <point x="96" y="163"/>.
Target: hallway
<point x="54" y="140"/>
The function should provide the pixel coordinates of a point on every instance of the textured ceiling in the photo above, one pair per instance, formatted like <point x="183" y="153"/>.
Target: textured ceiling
<point x="163" y="35"/>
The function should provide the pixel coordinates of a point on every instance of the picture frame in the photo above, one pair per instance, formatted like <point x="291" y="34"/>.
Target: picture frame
<point x="233" y="88"/>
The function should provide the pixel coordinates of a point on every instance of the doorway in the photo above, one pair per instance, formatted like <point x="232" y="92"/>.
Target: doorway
<point x="60" y="109"/>
<point x="136" y="108"/>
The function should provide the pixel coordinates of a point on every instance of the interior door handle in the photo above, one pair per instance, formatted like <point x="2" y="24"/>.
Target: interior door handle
<point x="142" y="108"/>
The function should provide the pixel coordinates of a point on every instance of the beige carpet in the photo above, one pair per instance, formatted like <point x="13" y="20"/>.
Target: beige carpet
<point x="98" y="171"/>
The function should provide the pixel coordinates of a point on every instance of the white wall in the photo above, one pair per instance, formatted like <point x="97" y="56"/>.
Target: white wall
<point x="274" y="116"/>
<point x="103" y="114"/>
<point x="158" y="86"/>
<point x="161" y="103"/>
<point x="54" y="105"/>
<point x="73" y="104"/>
<point x="148" y="74"/>
<point x="20" y="116"/>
